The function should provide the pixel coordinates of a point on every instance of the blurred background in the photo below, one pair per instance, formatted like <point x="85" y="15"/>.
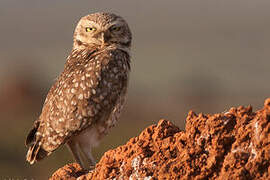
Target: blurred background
<point x="198" y="55"/>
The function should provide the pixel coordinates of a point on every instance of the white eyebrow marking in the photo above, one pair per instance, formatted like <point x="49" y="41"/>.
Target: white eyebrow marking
<point x="92" y="23"/>
<point x="117" y="22"/>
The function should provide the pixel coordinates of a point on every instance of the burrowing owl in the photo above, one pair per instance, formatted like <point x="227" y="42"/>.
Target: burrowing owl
<point x="88" y="96"/>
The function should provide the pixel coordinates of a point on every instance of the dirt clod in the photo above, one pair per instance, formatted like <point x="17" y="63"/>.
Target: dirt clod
<point x="230" y="145"/>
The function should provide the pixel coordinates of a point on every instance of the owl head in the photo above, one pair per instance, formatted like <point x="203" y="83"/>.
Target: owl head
<point x="100" y="30"/>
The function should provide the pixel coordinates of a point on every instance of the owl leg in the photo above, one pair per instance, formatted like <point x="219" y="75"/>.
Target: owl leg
<point x="75" y="150"/>
<point x="86" y="149"/>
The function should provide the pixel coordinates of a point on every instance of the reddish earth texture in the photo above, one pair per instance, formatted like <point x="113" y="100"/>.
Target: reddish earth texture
<point x="230" y="145"/>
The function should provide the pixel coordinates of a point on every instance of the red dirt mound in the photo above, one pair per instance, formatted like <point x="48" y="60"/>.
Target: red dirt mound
<point x="230" y="145"/>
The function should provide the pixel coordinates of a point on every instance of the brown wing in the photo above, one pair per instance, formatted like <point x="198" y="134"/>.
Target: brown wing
<point x="42" y="130"/>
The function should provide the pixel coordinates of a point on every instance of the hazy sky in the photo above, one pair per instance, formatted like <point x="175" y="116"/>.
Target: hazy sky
<point x="174" y="42"/>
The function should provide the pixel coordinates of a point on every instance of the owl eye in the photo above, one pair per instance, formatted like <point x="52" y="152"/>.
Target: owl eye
<point x="90" y="29"/>
<point x="115" y="28"/>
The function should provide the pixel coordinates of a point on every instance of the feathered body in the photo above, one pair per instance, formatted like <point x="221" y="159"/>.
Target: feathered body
<point x="88" y="96"/>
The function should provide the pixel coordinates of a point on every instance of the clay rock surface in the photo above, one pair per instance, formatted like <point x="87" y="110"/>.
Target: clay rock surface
<point x="229" y="145"/>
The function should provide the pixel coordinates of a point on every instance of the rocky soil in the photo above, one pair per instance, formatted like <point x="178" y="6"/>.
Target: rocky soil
<point x="229" y="145"/>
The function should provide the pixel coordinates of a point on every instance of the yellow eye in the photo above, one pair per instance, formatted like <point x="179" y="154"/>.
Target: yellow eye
<point x="116" y="28"/>
<point x="89" y="29"/>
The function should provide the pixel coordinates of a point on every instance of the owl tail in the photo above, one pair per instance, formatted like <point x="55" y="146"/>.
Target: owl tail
<point x="35" y="151"/>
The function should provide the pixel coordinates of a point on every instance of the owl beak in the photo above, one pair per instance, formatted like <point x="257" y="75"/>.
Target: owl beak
<point x="104" y="37"/>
